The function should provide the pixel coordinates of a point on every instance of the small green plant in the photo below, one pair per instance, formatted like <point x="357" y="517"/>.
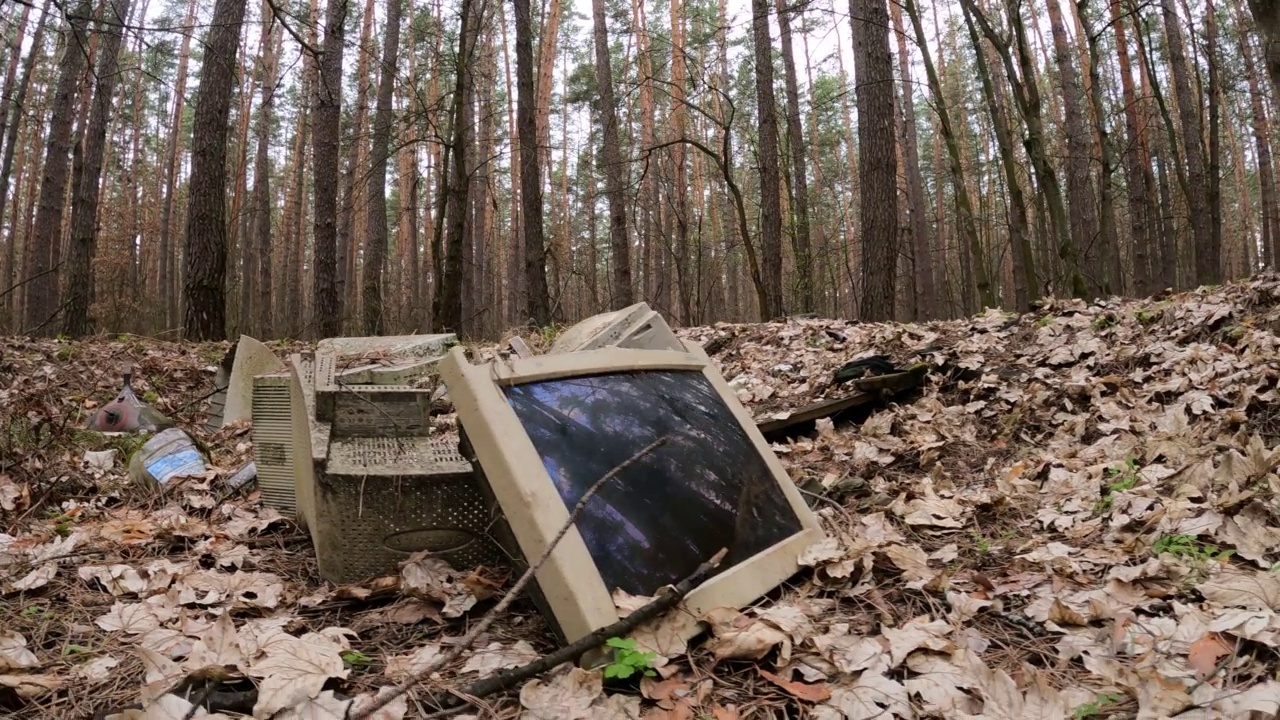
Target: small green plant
<point x="32" y="611"/>
<point x="1044" y="321"/>
<point x="627" y="660"/>
<point x="981" y="543"/>
<point x="1104" y="321"/>
<point x="1124" y="476"/>
<point x="1188" y="547"/>
<point x="355" y="657"/>
<point x="1096" y="706"/>
<point x="73" y="649"/>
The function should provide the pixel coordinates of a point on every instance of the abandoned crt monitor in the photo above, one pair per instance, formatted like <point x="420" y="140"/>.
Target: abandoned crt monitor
<point x="545" y="429"/>
<point x="599" y="330"/>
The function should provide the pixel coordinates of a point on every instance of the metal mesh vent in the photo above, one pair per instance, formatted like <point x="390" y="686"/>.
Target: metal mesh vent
<point x="273" y="440"/>
<point x="381" y="499"/>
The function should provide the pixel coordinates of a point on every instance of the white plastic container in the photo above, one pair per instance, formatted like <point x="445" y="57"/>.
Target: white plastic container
<point x="169" y="454"/>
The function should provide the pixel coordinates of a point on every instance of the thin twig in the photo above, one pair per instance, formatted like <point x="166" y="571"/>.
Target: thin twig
<point x="654" y="608"/>
<point x="492" y="616"/>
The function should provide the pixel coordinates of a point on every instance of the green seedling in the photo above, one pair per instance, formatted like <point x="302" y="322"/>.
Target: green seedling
<point x="355" y="657"/>
<point x="627" y="660"/>
<point x="1102" y="322"/>
<point x="1124" y="476"/>
<point x="73" y="649"/>
<point x="1044" y="321"/>
<point x="1096" y="706"/>
<point x="31" y="611"/>
<point x="1188" y="547"/>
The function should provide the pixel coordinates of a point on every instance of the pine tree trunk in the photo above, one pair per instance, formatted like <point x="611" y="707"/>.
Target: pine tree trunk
<point x="1208" y="270"/>
<point x="1081" y="207"/>
<point x="375" y="247"/>
<point x="12" y="60"/>
<point x="167" y="289"/>
<point x="538" y="302"/>
<point x="1262" y="144"/>
<point x="206" y="257"/>
<point x="258" y="317"/>
<point x="42" y="245"/>
<point x="1027" y="97"/>
<point x="964" y="206"/>
<point x="917" y="205"/>
<point x="873" y="72"/>
<point x="1108" y="238"/>
<point x="770" y="179"/>
<point x="326" y="309"/>
<point x="1214" y="91"/>
<point x="802" y="247"/>
<point x="1138" y="178"/>
<point x="84" y="207"/>
<point x="12" y="136"/>
<point x="1024" y="276"/>
<point x="448" y="307"/>
<point x="614" y="169"/>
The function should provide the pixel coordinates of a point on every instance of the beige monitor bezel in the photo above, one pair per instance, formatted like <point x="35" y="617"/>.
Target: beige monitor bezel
<point x="574" y="591"/>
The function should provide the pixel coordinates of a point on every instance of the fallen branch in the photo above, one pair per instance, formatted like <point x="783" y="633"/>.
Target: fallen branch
<point x="492" y="616"/>
<point x="570" y="653"/>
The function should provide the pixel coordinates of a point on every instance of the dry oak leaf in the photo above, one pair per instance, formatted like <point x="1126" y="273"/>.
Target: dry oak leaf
<point x="852" y="653"/>
<point x="96" y="671"/>
<point x="740" y="637"/>
<point x="404" y="666"/>
<point x="434" y="579"/>
<point x="568" y="695"/>
<point x="666" y="692"/>
<point x="497" y="656"/>
<point x="33" y="580"/>
<point x="14" y="654"/>
<point x="1259" y="590"/>
<point x="802" y="691"/>
<point x="168" y="707"/>
<point x="327" y="706"/>
<point x="30" y="687"/>
<point x="916" y="633"/>
<point x="940" y="685"/>
<point x="293" y="669"/>
<point x="1204" y="654"/>
<point x="871" y="695"/>
<point x="219" y="647"/>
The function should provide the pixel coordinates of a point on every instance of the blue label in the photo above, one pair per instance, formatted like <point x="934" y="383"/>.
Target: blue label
<point x="186" y="462"/>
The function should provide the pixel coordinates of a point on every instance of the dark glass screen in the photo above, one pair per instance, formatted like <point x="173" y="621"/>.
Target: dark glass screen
<point x="705" y="488"/>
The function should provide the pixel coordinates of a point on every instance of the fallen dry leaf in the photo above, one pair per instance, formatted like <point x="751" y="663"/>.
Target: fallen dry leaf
<point x="567" y="695"/>
<point x="1205" y="652"/>
<point x="816" y="692"/>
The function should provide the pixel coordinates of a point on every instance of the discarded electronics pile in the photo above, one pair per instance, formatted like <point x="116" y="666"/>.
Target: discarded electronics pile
<point x="344" y="440"/>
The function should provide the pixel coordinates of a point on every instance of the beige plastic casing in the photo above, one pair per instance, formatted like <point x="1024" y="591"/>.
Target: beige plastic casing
<point x="574" y="590"/>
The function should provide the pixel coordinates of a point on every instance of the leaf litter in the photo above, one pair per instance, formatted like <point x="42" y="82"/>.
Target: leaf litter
<point x="1076" y="515"/>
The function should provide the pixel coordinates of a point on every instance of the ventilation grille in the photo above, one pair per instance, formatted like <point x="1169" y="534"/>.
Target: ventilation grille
<point x="381" y="499"/>
<point x="273" y="440"/>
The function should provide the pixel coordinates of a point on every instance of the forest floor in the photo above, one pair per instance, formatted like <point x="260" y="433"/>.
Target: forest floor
<point x="1085" y="524"/>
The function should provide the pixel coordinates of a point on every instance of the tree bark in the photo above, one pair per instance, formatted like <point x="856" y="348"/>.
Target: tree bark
<point x="15" y="114"/>
<point x="1081" y="208"/>
<point x="538" y="301"/>
<point x="84" y="207"/>
<point x="375" y="248"/>
<point x="802" y="246"/>
<point x="918" y="206"/>
<point x="1139" y="181"/>
<point x="258" y="318"/>
<point x="1024" y="276"/>
<point x="42" y="283"/>
<point x="1214" y="91"/>
<point x="325" y="135"/>
<point x="1262" y="144"/>
<point x="964" y="206"/>
<point x="1107" y="236"/>
<point x="1208" y="270"/>
<point x="204" y="289"/>
<point x="166" y="279"/>
<point x="770" y="180"/>
<point x="614" y="170"/>
<point x="873" y="73"/>
<point x="448" y="309"/>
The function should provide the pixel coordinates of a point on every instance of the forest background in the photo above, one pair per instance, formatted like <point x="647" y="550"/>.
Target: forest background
<point x="287" y="168"/>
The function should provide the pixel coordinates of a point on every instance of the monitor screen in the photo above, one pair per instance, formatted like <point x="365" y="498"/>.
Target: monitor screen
<point x="706" y="487"/>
